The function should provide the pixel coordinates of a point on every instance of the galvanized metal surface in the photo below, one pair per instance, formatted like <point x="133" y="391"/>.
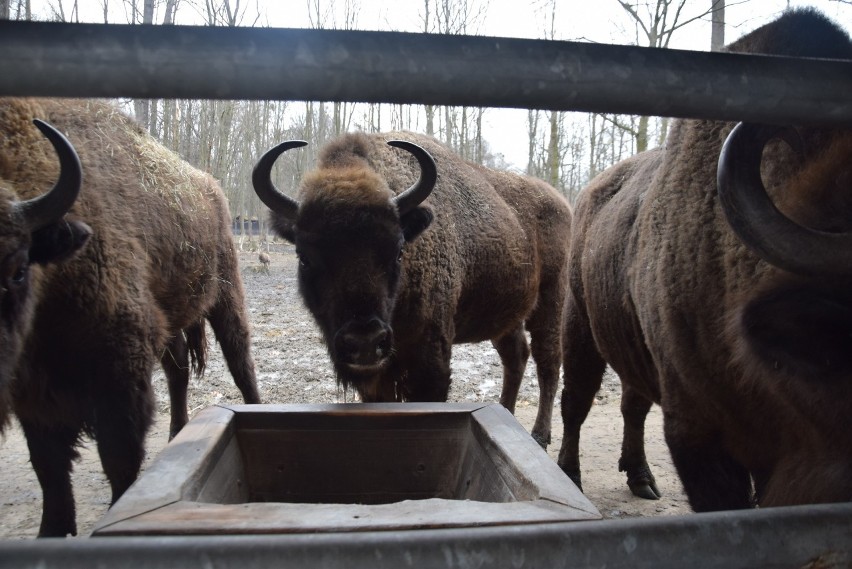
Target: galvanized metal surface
<point x="99" y="60"/>
<point x="803" y="536"/>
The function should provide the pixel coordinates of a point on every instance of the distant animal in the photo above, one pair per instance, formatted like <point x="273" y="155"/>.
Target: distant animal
<point x="264" y="261"/>
<point x="158" y="261"/>
<point x="735" y="318"/>
<point x="403" y="254"/>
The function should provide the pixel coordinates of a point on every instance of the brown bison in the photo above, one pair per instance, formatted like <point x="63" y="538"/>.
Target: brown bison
<point x="743" y="335"/>
<point x="392" y="297"/>
<point x="35" y="232"/>
<point x="158" y="262"/>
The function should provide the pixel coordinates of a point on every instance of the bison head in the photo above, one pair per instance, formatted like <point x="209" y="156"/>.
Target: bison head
<point x="34" y="231"/>
<point x="794" y="327"/>
<point x="350" y="231"/>
<point x="800" y="321"/>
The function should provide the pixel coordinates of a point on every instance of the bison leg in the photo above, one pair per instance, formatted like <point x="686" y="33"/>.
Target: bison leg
<point x="514" y="353"/>
<point x="124" y="413"/>
<point x="175" y="362"/>
<point x="634" y="410"/>
<point x="545" y="326"/>
<point x="583" y="369"/>
<point x="427" y="373"/>
<point x="228" y="320"/>
<point x="52" y="451"/>
<point x="712" y="479"/>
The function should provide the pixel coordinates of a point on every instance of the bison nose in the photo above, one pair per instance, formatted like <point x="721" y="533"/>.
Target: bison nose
<point x="363" y="343"/>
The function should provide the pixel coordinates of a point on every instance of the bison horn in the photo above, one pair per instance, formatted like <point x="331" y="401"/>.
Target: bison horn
<point x="47" y="208"/>
<point x="413" y="196"/>
<point x="261" y="179"/>
<point x="759" y="224"/>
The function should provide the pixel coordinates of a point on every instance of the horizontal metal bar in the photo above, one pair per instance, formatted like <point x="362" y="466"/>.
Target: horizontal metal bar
<point x="99" y="60"/>
<point x="813" y="536"/>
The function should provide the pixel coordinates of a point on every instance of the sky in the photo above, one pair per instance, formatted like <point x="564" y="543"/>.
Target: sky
<point x="602" y="21"/>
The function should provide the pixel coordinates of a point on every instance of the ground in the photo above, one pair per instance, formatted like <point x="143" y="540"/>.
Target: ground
<point x="293" y="367"/>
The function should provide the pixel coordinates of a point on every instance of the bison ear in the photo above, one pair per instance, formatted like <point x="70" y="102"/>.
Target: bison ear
<point x="58" y="241"/>
<point x="285" y="228"/>
<point x="801" y="331"/>
<point x="415" y="222"/>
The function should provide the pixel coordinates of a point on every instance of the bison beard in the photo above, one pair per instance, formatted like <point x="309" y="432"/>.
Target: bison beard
<point x="395" y="278"/>
<point x="160" y="264"/>
<point x="737" y="326"/>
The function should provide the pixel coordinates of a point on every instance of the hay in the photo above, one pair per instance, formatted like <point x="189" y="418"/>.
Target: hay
<point x="165" y="173"/>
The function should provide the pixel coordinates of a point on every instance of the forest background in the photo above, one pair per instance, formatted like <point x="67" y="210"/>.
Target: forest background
<point x="567" y="149"/>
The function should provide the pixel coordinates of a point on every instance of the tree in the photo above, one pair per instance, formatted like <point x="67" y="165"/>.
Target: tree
<point x="454" y="17"/>
<point x="15" y="10"/>
<point x="141" y="107"/>
<point x="656" y="21"/>
<point x="717" y="30"/>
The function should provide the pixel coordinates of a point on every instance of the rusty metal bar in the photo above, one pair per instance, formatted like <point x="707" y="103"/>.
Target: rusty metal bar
<point x="107" y="60"/>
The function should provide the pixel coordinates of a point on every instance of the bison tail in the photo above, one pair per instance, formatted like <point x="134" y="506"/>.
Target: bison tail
<point x="196" y="343"/>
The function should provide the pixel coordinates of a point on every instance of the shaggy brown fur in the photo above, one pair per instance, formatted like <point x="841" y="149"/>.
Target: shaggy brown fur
<point x="750" y="363"/>
<point x="491" y="265"/>
<point x="160" y="261"/>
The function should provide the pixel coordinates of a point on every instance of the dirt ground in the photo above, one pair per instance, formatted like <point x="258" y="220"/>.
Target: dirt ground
<point x="293" y="367"/>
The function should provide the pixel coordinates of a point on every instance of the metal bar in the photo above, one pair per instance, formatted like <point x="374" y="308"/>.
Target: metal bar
<point x="812" y="536"/>
<point x="107" y="60"/>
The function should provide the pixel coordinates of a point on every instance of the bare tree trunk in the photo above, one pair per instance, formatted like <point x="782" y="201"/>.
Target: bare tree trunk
<point x="336" y="120"/>
<point x="532" y="131"/>
<point x="593" y="143"/>
<point x="664" y="131"/>
<point x="642" y="135"/>
<point x="169" y="16"/>
<point x="449" y="126"/>
<point x="717" y="33"/>
<point x="4" y="9"/>
<point x="479" y="157"/>
<point x="553" y="151"/>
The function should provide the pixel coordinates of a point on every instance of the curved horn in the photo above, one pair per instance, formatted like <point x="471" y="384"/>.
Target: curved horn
<point x="261" y="179"/>
<point x="413" y="196"/>
<point x="49" y="207"/>
<point x="759" y="224"/>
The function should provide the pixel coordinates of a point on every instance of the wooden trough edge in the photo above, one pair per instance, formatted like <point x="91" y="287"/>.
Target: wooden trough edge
<point x="162" y="501"/>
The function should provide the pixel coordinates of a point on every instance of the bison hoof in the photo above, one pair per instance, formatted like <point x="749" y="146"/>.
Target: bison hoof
<point x="58" y="529"/>
<point x="643" y="485"/>
<point x="576" y="479"/>
<point x="542" y="440"/>
<point x="646" y="491"/>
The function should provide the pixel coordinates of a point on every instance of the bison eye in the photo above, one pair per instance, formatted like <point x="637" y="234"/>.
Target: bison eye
<point x="19" y="276"/>
<point x="304" y="263"/>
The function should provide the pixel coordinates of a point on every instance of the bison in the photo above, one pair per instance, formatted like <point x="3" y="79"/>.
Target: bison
<point x="732" y="313"/>
<point x="158" y="261"/>
<point x="403" y="254"/>
<point x="35" y="232"/>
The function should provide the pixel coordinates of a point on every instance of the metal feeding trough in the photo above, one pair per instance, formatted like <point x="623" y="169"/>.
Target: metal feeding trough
<point x="258" y="469"/>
